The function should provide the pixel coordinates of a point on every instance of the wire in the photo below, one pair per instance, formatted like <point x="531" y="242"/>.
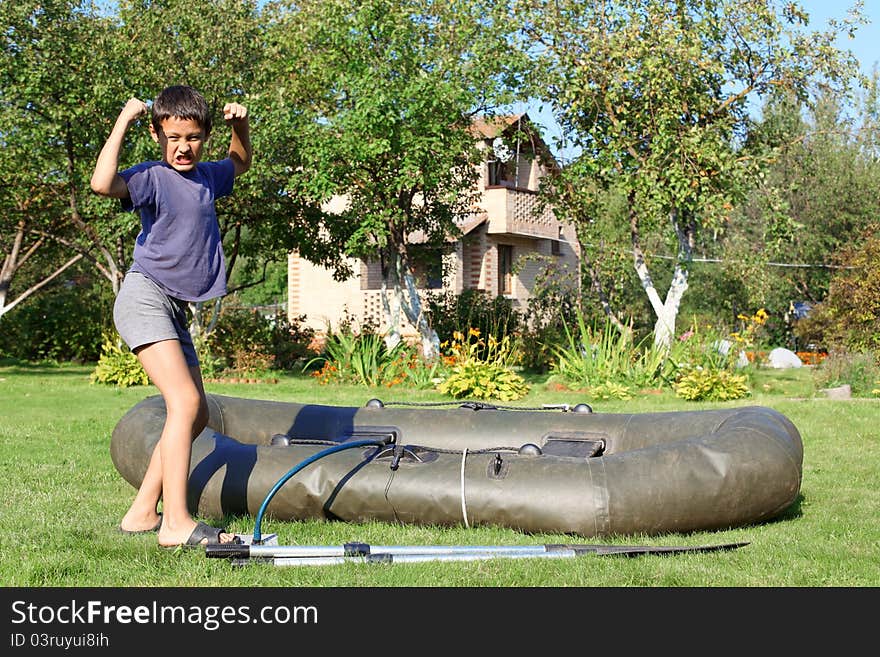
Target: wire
<point x="721" y="260"/>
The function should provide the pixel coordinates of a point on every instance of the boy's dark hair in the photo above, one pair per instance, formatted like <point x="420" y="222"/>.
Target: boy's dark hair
<point x="182" y="102"/>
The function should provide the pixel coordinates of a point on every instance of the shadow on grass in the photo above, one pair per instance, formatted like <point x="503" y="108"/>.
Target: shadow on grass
<point x="793" y="511"/>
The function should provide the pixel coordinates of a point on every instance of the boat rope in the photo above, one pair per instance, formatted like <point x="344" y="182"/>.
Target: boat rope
<point x="463" y="504"/>
<point x="287" y="440"/>
<point x="391" y="474"/>
<point x="481" y="406"/>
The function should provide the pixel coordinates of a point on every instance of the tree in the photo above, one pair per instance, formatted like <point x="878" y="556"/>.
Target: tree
<point x="816" y="195"/>
<point x="382" y="95"/>
<point x="655" y="94"/>
<point x="46" y="124"/>
<point x="59" y="101"/>
<point x="849" y="316"/>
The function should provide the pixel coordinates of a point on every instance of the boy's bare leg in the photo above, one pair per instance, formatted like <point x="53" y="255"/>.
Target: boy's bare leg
<point x="142" y="514"/>
<point x="186" y="415"/>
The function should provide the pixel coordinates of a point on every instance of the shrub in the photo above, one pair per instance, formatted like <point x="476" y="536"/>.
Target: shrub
<point x="591" y="357"/>
<point x="249" y="363"/>
<point x="413" y="369"/>
<point x="118" y="366"/>
<point x="482" y="368"/>
<point x="610" y="390"/>
<point x="705" y="346"/>
<point x="64" y="323"/>
<point x="840" y="367"/>
<point x="553" y="302"/>
<point x="849" y="316"/>
<point x="242" y="336"/>
<point x="357" y="357"/>
<point x="710" y="384"/>
<point x="452" y="313"/>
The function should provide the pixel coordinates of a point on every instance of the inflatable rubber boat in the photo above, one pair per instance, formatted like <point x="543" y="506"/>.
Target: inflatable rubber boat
<point x="560" y="470"/>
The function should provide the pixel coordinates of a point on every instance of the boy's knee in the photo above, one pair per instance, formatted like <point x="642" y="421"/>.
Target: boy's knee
<point x="189" y="404"/>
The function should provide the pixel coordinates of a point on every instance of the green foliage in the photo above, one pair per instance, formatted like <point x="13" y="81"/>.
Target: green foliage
<point x="700" y="365"/>
<point x="704" y="345"/>
<point x="412" y="369"/>
<point x="668" y="104"/>
<point x="708" y="384"/>
<point x="452" y="313"/>
<point x="64" y="323"/>
<point x="259" y="284"/>
<point x="705" y="360"/>
<point x="815" y="197"/>
<point x="360" y="357"/>
<point x="849" y="317"/>
<point x="553" y="301"/>
<point x="482" y="369"/>
<point x="52" y="87"/>
<point x="244" y="340"/>
<point x="381" y="106"/>
<point x="610" y="390"/>
<point x="592" y="357"/>
<point x="858" y="370"/>
<point x="118" y="366"/>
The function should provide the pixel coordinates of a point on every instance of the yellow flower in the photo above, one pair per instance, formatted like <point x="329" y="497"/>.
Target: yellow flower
<point x="474" y="332"/>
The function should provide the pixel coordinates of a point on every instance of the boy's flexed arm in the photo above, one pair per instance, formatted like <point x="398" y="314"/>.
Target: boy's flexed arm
<point x="240" y="144"/>
<point x="105" y="179"/>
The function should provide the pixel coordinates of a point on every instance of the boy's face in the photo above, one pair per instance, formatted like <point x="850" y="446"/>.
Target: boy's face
<point x="182" y="141"/>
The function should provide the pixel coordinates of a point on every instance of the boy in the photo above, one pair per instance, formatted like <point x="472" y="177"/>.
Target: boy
<point x="178" y="258"/>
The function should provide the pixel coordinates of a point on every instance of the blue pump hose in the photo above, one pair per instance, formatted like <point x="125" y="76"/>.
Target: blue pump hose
<point x="258" y="536"/>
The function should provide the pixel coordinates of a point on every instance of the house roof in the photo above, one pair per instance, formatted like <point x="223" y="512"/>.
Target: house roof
<point x="494" y="126"/>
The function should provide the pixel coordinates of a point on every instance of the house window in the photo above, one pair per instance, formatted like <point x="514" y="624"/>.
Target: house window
<point x="427" y="264"/>
<point x="556" y="245"/>
<point x="435" y="275"/>
<point x="505" y="269"/>
<point x="371" y="274"/>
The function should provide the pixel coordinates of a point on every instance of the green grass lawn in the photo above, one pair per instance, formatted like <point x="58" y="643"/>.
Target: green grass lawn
<point x="62" y="499"/>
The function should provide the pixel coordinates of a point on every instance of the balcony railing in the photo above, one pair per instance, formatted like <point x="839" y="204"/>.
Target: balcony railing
<point x="513" y="211"/>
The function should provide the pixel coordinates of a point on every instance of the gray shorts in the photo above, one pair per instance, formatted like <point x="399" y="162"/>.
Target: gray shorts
<point x="143" y="313"/>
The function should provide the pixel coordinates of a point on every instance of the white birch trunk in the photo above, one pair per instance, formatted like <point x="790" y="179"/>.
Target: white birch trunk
<point x="391" y="303"/>
<point x="412" y="307"/>
<point x="666" y="311"/>
<point x="403" y="297"/>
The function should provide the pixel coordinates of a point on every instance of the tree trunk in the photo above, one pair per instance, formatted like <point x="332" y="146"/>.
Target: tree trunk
<point x="15" y="259"/>
<point x="666" y="311"/>
<point x="400" y="295"/>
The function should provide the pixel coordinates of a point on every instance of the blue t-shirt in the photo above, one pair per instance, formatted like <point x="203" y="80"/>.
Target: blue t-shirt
<point x="179" y="245"/>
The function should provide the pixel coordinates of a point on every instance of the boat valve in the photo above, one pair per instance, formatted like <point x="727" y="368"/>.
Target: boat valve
<point x="496" y="464"/>
<point x="397" y="455"/>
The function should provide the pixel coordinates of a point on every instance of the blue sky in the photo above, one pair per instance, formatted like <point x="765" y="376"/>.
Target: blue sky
<point x="866" y="44"/>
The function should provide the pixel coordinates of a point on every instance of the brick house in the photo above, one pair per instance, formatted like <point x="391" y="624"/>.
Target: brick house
<point x="494" y="239"/>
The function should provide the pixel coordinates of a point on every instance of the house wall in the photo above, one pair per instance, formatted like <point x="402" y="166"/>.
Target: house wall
<point x="473" y="265"/>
